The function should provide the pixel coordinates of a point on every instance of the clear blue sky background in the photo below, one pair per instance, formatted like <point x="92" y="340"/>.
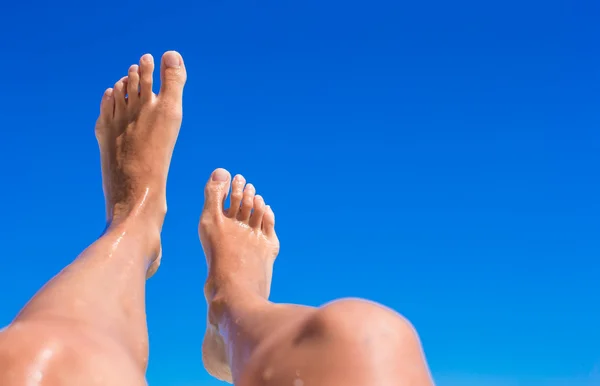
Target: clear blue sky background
<point x="439" y="157"/>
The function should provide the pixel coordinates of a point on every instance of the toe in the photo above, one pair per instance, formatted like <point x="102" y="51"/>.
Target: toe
<point x="237" y="192"/>
<point x="259" y="211"/>
<point x="247" y="203"/>
<point x="216" y="191"/>
<point x="172" y="75"/>
<point x="268" y="221"/>
<point x="119" y="97"/>
<point x="146" y="73"/>
<point x="133" y="85"/>
<point x="107" y="106"/>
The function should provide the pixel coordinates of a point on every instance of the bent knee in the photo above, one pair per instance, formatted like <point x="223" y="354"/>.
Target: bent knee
<point x="362" y="322"/>
<point x="349" y="341"/>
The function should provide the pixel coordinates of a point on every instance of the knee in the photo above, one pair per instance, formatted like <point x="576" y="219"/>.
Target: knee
<point x="22" y="352"/>
<point x="361" y="322"/>
<point x="65" y="355"/>
<point x="348" y="341"/>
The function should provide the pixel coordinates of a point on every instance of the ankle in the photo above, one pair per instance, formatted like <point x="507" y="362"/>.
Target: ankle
<point x="228" y="295"/>
<point x="231" y="285"/>
<point x="145" y="233"/>
<point x="148" y="209"/>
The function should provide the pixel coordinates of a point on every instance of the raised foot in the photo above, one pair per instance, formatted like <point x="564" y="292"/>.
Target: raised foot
<point x="136" y="133"/>
<point x="240" y="245"/>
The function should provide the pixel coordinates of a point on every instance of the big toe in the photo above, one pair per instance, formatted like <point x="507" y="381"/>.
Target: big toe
<point x="172" y="75"/>
<point x="216" y="191"/>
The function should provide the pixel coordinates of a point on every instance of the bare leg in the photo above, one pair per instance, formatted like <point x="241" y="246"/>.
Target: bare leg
<point x="87" y="326"/>
<point x="254" y="342"/>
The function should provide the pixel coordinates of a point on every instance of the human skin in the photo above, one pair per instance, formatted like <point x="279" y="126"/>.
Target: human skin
<point x="253" y="342"/>
<point x="87" y="326"/>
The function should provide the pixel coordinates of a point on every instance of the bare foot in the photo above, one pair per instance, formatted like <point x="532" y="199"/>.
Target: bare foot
<point x="240" y="245"/>
<point x="136" y="133"/>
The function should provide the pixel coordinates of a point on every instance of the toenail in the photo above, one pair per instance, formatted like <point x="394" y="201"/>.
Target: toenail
<point x="172" y="59"/>
<point x="220" y="175"/>
<point x="109" y="93"/>
<point x="147" y="58"/>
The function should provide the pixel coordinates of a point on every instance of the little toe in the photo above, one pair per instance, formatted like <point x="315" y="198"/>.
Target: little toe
<point x="257" y="214"/>
<point x="268" y="222"/>
<point x="247" y="203"/>
<point x="107" y="106"/>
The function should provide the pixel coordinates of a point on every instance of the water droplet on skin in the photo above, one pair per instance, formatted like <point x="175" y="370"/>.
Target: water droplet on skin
<point x="268" y="374"/>
<point x="37" y="376"/>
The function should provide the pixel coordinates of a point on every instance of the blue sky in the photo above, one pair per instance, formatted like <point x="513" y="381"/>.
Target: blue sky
<point x="439" y="157"/>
